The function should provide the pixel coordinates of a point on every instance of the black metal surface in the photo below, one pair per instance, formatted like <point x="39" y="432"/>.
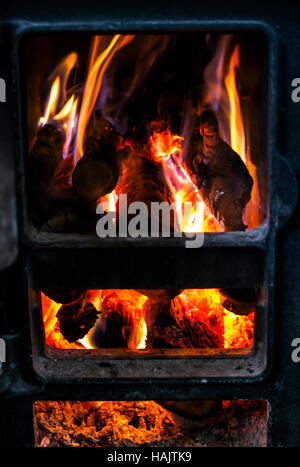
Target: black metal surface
<point x="281" y="385"/>
<point x="8" y="212"/>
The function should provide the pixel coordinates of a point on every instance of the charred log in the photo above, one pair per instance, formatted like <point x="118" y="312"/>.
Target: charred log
<point x="97" y="172"/>
<point x="240" y="301"/>
<point x="63" y="296"/>
<point x="219" y="173"/>
<point x="75" y="320"/>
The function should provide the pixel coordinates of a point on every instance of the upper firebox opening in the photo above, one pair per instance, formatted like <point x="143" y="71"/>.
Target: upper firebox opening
<point x="128" y="122"/>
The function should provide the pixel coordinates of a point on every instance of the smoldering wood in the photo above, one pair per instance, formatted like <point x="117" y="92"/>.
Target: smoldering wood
<point x="219" y="173"/>
<point x="76" y="319"/>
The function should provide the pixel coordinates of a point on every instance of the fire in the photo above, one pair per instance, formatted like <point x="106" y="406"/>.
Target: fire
<point x="93" y="83"/>
<point x="73" y="112"/>
<point x="53" y="336"/>
<point x="221" y="94"/>
<point x="134" y="330"/>
<point x="164" y="144"/>
<point x="194" y="217"/>
<point x="52" y="101"/>
<point x="198" y="305"/>
<point x="237" y="134"/>
<point x="238" y="330"/>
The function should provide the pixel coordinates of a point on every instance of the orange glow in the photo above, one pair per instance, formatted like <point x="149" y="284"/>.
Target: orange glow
<point x="198" y="306"/>
<point x="238" y="330"/>
<point x="164" y="144"/>
<point x="105" y="423"/>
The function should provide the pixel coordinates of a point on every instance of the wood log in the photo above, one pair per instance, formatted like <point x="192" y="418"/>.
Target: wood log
<point x="240" y="301"/>
<point x="143" y="180"/>
<point x="46" y="153"/>
<point x="219" y="173"/>
<point x="97" y="172"/>
<point x="75" y="320"/>
<point x="169" y="324"/>
<point x="43" y="161"/>
<point x="67" y="218"/>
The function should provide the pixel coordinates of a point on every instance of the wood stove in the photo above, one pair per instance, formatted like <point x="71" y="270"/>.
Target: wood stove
<point x="125" y="110"/>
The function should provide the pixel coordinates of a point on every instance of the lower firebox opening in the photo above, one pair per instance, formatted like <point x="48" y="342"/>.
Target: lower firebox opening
<point x="151" y="423"/>
<point x="209" y="321"/>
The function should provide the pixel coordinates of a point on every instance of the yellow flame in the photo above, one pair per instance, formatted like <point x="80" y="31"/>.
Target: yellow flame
<point x="65" y="110"/>
<point x="237" y="134"/>
<point x="52" y="101"/>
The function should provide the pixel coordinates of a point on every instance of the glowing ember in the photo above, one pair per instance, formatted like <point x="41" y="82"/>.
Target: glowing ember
<point x="137" y="423"/>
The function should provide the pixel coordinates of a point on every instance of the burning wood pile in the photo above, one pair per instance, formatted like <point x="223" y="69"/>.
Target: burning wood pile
<point x="92" y="146"/>
<point x="149" y="319"/>
<point x="149" y="423"/>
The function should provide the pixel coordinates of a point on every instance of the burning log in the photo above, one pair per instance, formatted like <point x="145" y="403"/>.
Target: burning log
<point x="97" y="172"/>
<point x="219" y="173"/>
<point x="203" y="330"/>
<point x="170" y="323"/>
<point x="157" y="312"/>
<point x="63" y="296"/>
<point x="75" y="320"/>
<point x="143" y="181"/>
<point x="240" y="301"/>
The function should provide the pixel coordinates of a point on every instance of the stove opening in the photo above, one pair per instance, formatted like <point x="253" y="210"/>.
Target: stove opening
<point x="215" y="321"/>
<point x="138" y="120"/>
<point x="151" y="423"/>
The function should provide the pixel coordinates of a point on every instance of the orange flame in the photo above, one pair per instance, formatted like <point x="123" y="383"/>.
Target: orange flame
<point x="134" y="332"/>
<point x="167" y="149"/>
<point x="93" y="83"/>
